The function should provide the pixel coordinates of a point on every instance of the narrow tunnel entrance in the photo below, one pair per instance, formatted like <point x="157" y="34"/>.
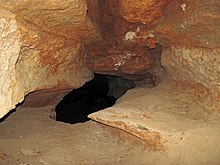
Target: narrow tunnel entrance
<point x="97" y="94"/>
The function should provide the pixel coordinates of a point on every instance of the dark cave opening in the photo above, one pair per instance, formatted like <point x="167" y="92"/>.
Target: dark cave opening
<point x="97" y="94"/>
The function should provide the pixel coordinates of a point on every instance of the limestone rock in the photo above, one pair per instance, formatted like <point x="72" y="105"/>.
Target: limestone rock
<point x="170" y="122"/>
<point x="40" y="43"/>
<point x="191" y="24"/>
<point x="188" y="32"/>
<point x="177" y="118"/>
<point x="44" y="98"/>
<point x="125" y="49"/>
<point x="191" y="49"/>
<point x="10" y="44"/>
<point x="146" y="12"/>
<point x="29" y="152"/>
<point x="130" y="63"/>
<point x="197" y="71"/>
<point x="64" y="18"/>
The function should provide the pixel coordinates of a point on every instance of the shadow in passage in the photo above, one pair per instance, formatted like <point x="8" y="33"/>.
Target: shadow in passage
<point x="7" y="115"/>
<point x="97" y="94"/>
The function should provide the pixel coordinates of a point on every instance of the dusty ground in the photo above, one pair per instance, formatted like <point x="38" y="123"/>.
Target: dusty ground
<point x="172" y="127"/>
<point x="29" y="136"/>
<point x="172" y="122"/>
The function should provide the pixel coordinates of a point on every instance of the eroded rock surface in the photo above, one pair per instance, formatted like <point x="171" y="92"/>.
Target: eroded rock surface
<point x="170" y="118"/>
<point x="9" y="52"/>
<point x="40" y="43"/>
<point x="187" y="30"/>
<point x="56" y="44"/>
<point x="50" y="45"/>
<point x="191" y="51"/>
<point x="196" y="71"/>
<point x="125" y="48"/>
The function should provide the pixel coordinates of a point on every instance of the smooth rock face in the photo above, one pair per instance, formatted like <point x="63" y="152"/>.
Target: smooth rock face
<point x="40" y="43"/>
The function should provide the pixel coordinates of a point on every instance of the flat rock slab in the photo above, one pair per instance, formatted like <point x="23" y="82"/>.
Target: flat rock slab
<point x="169" y="121"/>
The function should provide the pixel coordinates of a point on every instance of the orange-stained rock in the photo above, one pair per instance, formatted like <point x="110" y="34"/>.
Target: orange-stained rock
<point x="40" y="43"/>
<point x="125" y="48"/>
<point x="187" y="30"/>
<point x="129" y="62"/>
<point x="191" y="24"/>
<point x="65" y="18"/>
<point x="190" y="33"/>
<point x="139" y="11"/>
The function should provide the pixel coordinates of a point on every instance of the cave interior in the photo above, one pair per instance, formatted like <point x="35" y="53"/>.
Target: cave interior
<point x="147" y="69"/>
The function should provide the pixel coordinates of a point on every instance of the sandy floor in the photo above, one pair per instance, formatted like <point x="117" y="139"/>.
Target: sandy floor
<point x="171" y="122"/>
<point x="29" y="136"/>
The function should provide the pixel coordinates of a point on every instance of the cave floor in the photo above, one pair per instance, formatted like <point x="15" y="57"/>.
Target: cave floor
<point x="171" y="122"/>
<point x="168" y="127"/>
<point x="29" y="136"/>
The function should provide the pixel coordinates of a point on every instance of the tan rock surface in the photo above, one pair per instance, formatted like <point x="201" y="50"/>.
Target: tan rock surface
<point x="189" y="33"/>
<point x="40" y="43"/>
<point x="10" y="44"/>
<point x="45" y="45"/>
<point x="169" y="121"/>
<point x="197" y="71"/>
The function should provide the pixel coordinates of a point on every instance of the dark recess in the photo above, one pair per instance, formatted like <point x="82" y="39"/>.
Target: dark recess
<point x="6" y="116"/>
<point x="95" y="95"/>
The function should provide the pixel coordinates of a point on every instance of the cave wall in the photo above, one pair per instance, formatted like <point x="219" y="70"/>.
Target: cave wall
<point x="39" y="47"/>
<point x="190" y="34"/>
<point x="187" y="30"/>
<point x="57" y="44"/>
<point x="126" y="49"/>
